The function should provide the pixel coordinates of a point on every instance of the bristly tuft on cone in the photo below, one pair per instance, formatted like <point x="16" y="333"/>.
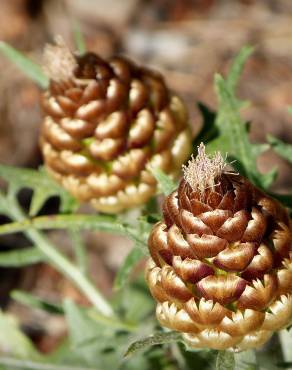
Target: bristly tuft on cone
<point x="203" y="171"/>
<point x="58" y="61"/>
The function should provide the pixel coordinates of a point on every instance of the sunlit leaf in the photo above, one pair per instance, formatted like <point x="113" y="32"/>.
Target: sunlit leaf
<point x="233" y="130"/>
<point x="237" y="67"/>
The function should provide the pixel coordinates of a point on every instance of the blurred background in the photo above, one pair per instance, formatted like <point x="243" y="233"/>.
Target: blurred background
<point x="188" y="41"/>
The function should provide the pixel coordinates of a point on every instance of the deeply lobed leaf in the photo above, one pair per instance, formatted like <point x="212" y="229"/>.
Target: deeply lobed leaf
<point x="42" y="185"/>
<point x="229" y="132"/>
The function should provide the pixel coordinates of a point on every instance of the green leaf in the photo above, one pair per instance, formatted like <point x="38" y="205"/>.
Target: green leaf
<point x="21" y="257"/>
<point x="44" y="187"/>
<point x="237" y="67"/>
<point x="88" y="338"/>
<point x="32" y="301"/>
<point x="13" y="342"/>
<point x="125" y="270"/>
<point x="81" y="326"/>
<point x="152" y="340"/>
<point x="139" y="233"/>
<point x="233" y="130"/>
<point x="219" y="144"/>
<point x="56" y="258"/>
<point x="281" y="148"/>
<point x="79" y="39"/>
<point x="166" y="184"/>
<point x="225" y="361"/>
<point x="136" y="305"/>
<point x="36" y="302"/>
<point x="32" y="70"/>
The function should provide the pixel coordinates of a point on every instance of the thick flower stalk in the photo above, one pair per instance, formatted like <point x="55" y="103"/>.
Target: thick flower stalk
<point x="221" y="266"/>
<point x="107" y="123"/>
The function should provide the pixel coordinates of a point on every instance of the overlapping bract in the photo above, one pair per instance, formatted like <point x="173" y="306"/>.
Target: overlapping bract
<point x="106" y="125"/>
<point x="221" y="266"/>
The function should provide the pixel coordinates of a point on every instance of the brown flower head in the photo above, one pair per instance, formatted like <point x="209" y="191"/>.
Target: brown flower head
<point x="106" y="124"/>
<point x="221" y="261"/>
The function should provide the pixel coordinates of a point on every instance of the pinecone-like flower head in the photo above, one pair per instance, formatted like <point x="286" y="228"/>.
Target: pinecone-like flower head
<point x="106" y="124"/>
<point x="221" y="266"/>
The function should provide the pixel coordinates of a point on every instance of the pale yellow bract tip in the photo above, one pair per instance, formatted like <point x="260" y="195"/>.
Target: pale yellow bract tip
<point x="201" y="172"/>
<point x="58" y="61"/>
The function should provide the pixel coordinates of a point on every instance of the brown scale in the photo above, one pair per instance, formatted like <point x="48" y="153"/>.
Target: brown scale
<point x="230" y="250"/>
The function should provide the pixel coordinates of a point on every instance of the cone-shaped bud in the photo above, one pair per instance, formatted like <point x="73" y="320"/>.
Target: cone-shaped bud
<point x="221" y="261"/>
<point x="107" y="123"/>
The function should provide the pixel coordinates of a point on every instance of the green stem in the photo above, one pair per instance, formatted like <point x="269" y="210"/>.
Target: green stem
<point x="70" y="271"/>
<point x="79" y="250"/>
<point x="61" y="263"/>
